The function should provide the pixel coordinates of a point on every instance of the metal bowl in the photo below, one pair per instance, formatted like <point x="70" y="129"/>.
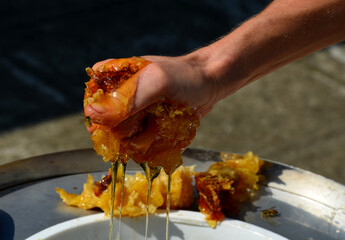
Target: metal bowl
<point x="310" y="206"/>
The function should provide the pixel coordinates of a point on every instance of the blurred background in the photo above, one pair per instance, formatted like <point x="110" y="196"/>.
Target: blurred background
<point x="294" y="115"/>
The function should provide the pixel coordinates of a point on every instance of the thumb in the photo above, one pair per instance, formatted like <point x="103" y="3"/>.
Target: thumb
<point x="153" y="84"/>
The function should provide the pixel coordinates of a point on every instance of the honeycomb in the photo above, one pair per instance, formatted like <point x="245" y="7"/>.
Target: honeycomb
<point x="157" y="134"/>
<point x="226" y="185"/>
<point x="96" y="195"/>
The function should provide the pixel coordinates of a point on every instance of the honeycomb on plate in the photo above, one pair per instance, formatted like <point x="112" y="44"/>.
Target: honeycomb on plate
<point x="135" y="193"/>
<point x="157" y="134"/>
<point x="222" y="189"/>
<point x="226" y="185"/>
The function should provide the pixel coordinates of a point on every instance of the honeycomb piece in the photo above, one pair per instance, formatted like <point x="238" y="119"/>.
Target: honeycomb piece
<point x="157" y="134"/>
<point x="98" y="194"/>
<point x="226" y="185"/>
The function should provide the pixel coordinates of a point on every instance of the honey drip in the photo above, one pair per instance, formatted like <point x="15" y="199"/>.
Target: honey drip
<point x="168" y="208"/>
<point x="151" y="173"/>
<point x="114" y="167"/>
<point x="124" y="164"/>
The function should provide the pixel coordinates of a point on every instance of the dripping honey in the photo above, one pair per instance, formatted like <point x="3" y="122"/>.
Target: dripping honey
<point x="151" y="173"/>
<point x="114" y="167"/>
<point x="168" y="208"/>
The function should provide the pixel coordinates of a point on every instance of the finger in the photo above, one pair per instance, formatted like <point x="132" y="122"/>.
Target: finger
<point x="153" y="58"/>
<point x="101" y="63"/>
<point x="113" y="108"/>
<point x="152" y="86"/>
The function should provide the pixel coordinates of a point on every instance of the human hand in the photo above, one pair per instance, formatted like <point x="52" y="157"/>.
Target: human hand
<point x="135" y="110"/>
<point x="181" y="80"/>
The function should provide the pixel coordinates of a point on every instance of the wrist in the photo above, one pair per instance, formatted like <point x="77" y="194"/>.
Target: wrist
<point x="202" y="61"/>
<point x="222" y="67"/>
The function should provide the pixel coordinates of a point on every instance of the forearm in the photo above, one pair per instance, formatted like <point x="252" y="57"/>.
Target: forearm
<point x="285" y="31"/>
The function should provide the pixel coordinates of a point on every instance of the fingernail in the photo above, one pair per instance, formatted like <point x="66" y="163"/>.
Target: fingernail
<point x="99" y="108"/>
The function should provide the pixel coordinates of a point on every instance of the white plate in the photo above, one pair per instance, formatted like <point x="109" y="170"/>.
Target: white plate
<point x="183" y="225"/>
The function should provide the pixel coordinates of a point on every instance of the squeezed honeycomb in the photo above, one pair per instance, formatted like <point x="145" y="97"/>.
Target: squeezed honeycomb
<point x="156" y="135"/>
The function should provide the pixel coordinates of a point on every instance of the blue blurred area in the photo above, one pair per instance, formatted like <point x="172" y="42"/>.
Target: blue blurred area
<point x="46" y="45"/>
<point x="6" y="226"/>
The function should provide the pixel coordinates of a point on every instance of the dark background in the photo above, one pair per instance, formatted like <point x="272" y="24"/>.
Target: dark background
<point x="46" y="45"/>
